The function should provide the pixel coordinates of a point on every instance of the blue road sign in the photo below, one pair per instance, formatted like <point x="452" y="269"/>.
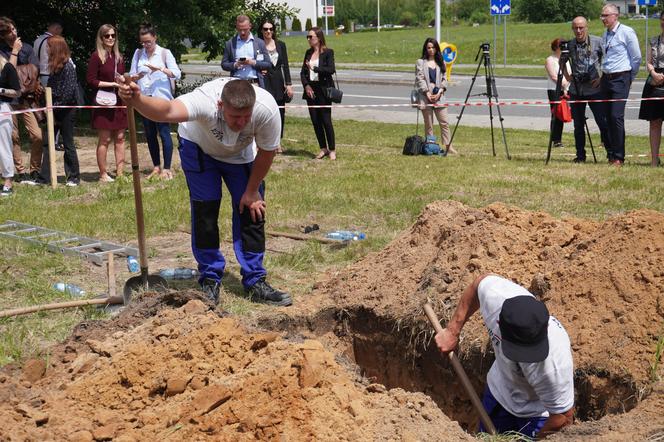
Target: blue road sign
<point x="503" y="7"/>
<point x="647" y="2"/>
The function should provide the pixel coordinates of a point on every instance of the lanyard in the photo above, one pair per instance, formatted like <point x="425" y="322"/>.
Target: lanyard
<point x="607" y="42"/>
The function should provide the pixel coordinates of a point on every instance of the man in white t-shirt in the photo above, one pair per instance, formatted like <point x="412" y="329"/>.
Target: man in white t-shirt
<point x="229" y="131"/>
<point x="530" y="386"/>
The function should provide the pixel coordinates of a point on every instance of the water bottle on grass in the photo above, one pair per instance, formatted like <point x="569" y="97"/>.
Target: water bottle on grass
<point x="178" y="273"/>
<point x="132" y="264"/>
<point x="70" y="289"/>
<point x="346" y="235"/>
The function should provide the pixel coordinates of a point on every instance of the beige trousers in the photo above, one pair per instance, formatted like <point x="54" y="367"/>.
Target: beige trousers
<point x="36" y="141"/>
<point x="441" y="116"/>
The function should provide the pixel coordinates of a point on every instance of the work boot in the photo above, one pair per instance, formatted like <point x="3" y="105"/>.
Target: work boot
<point x="264" y="293"/>
<point x="211" y="289"/>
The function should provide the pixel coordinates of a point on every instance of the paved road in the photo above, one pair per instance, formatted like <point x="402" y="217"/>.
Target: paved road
<point x="371" y="87"/>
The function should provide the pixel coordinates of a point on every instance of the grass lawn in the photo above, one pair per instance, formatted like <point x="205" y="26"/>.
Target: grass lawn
<point x="526" y="43"/>
<point x="371" y="187"/>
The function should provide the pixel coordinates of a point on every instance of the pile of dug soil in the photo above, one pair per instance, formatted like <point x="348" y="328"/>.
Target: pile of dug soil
<point x="603" y="280"/>
<point x="187" y="374"/>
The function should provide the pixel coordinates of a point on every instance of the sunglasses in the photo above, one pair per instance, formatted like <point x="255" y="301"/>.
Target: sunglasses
<point x="268" y="29"/>
<point x="607" y="15"/>
<point x="109" y="36"/>
<point x="309" y="37"/>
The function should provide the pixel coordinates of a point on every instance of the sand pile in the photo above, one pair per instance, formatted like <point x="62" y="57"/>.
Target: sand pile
<point x="187" y="374"/>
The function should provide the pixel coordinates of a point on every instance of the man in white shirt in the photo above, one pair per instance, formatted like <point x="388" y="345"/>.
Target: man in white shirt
<point x="54" y="27"/>
<point x="530" y="386"/>
<point x="229" y="130"/>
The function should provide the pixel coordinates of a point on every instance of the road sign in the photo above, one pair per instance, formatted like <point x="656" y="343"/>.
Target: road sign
<point x="449" y="53"/>
<point x="502" y="7"/>
<point x="647" y="2"/>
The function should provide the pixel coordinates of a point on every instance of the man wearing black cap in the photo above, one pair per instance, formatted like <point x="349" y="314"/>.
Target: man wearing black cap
<point x="530" y="386"/>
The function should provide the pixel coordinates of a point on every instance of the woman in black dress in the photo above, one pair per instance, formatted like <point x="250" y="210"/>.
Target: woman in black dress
<point x="62" y="80"/>
<point x="316" y="76"/>
<point x="653" y="110"/>
<point x="278" y="77"/>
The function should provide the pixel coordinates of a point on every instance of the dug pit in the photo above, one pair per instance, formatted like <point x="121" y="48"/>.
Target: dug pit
<point x="603" y="280"/>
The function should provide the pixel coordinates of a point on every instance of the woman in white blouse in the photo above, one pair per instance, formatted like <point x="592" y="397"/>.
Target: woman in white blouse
<point x="156" y="71"/>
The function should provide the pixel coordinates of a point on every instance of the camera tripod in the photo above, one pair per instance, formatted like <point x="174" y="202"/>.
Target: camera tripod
<point x="491" y="93"/>
<point x="564" y="57"/>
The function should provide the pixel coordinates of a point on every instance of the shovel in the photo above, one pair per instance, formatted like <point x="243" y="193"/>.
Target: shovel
<point x="461" y="373"/>
<point x="144" y="281"/>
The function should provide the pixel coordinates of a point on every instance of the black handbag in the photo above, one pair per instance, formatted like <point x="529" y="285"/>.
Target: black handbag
<point x="334" y="94"/>
<point x="655" y="90"/>
<point x="414" y="143"/>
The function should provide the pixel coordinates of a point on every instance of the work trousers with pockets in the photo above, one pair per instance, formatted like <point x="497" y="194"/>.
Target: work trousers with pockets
<point x="65" y="120"/>
<point x="152" y="128"/>
<point x="579" y="117"/>
<point x="616" y="87"/>
<point x="505" y="422"/>
<point x="204" y="177"/>
<point x="35" y="133"/>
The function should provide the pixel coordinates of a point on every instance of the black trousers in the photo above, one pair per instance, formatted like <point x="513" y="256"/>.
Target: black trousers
<point x="556" y="124"/>
<point x="616" y="87"/>
<point x="579" y="116"/>
<point x="64" y="118"/>
<point x="321" y="118"/>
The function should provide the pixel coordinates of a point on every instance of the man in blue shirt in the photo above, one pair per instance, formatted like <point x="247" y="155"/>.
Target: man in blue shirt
<point x="620" y="64"/>
<point x="245" y="56"/>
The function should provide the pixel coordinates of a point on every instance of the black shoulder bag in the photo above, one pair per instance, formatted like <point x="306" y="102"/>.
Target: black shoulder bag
<point x="334" y="94"/>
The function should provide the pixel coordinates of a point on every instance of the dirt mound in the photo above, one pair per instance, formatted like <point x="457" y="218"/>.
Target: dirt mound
<point x="603" y="280"/>
<point x="186" y="374"/>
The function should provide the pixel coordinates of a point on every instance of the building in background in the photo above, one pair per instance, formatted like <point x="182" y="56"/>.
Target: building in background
<point x="310" y="9"/>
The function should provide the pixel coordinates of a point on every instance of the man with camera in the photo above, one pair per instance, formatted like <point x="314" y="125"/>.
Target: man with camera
<point x="585" y="57"/>
<point x="620" y="64"/>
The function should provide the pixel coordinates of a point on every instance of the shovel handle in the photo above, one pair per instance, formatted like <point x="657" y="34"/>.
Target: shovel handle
<point x="60" y="305"/>
<point x="461" y="373"/>
<point x="138" y="196"/>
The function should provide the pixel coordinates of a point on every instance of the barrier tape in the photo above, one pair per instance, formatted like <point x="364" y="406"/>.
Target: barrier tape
<point x="346" y="106"/>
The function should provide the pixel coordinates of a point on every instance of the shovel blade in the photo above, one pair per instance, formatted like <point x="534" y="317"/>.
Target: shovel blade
<point x="137" y="283"/>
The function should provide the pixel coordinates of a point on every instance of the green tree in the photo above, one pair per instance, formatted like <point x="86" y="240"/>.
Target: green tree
<point x="296" y="25"/>
<point x="205" y="23"/>
<point x="319" y="22"/>
<point x="308" y="25"/>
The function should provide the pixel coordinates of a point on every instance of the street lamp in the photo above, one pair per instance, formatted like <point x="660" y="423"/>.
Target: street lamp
<point x="378" y="16"/>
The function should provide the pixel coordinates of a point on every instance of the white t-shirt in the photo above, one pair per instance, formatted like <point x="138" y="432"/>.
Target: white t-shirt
<point x="526" y="389"/>
<point x="207" y="128"/>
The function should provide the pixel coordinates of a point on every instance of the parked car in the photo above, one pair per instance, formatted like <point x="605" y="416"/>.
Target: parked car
<point x="638" y="17"/>
<point x="655" y="15"/>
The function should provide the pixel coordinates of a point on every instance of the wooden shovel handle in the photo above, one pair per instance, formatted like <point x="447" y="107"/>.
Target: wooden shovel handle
<point x="461" y="373"/>
<point x="60" y="305"/>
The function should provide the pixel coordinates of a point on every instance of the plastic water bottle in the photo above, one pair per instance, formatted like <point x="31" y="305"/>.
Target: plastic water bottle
<point x="178" y="273"/>
<point x="70" y="289"/>
<point x="346" y="235"/>
<point x="132" y="264"/>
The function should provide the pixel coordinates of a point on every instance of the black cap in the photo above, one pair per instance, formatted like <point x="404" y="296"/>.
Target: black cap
<point x="524" y="324"/>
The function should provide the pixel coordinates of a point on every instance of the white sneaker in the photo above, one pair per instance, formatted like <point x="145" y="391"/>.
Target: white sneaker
<point x="72" y="183"/>
<point x="106" y="179"/>
<point x="6" y="191"/>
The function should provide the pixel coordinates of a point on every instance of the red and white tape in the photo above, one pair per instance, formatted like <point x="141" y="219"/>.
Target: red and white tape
<point x="346" y="106"/>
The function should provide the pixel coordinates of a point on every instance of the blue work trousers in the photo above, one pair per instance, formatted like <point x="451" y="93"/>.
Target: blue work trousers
<point x="204" y="176"/>
<point x="152" y="129"/>
<point x="505" y="421"/>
